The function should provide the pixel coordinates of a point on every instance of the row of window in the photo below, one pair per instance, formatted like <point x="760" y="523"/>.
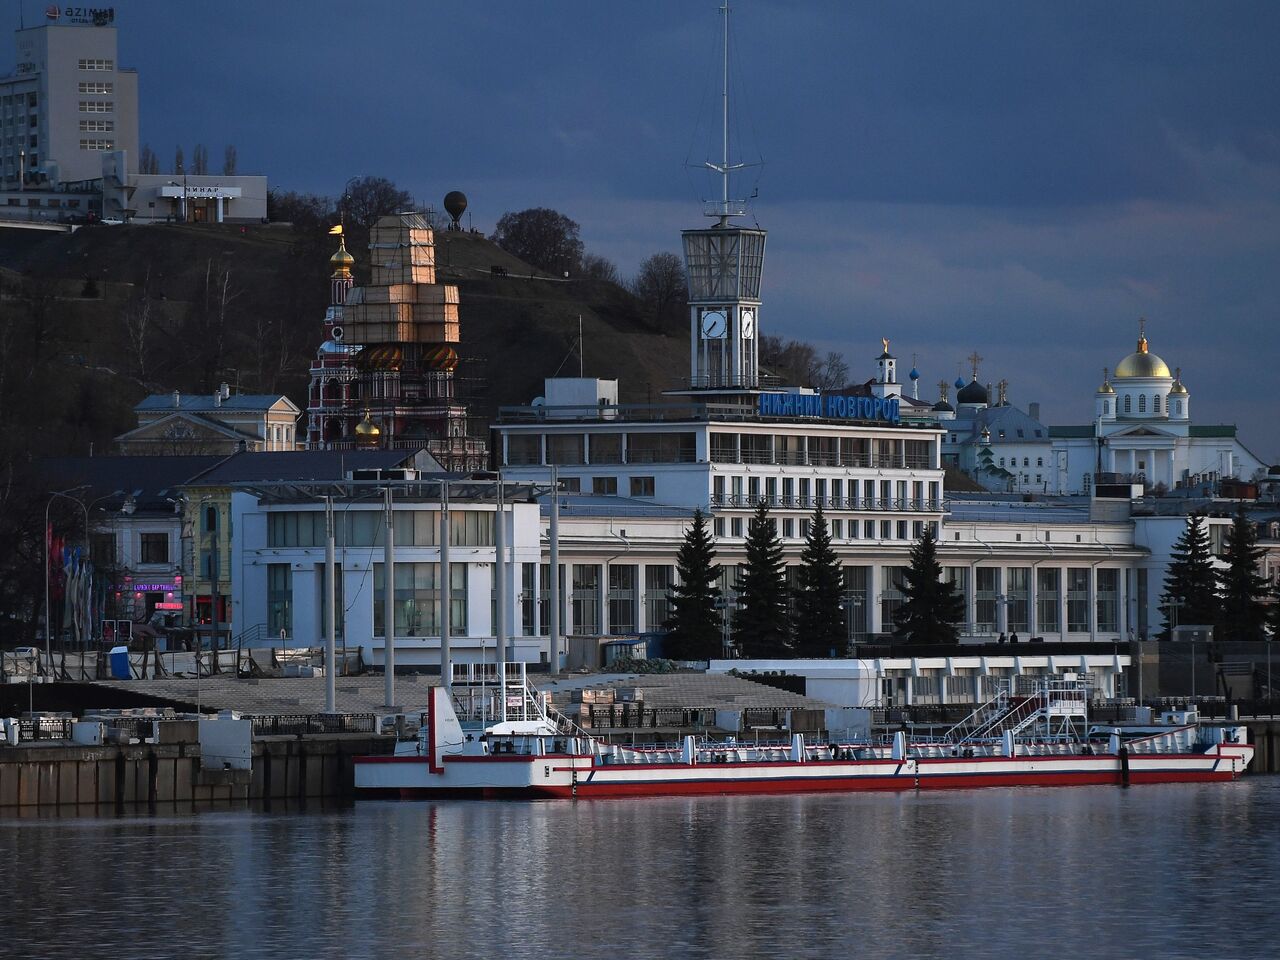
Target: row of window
<point x="608" y="486"/>
<point x="1174" y="406"/>
<point x="97" y="144"/>
<point x="95" y="88"/>
<point x="97" y="106"/>
<point x="804" y="491"/>
<point x="20" y="100"/>
<point x="53" y="202"/>
<point x="589" y="590"/>
<point x="840" y="528"/>
<point x="97" y="126"/>
<point x="1026" y="461"/>
<point x="364" y="528"/>
<point x="93" y="64"/>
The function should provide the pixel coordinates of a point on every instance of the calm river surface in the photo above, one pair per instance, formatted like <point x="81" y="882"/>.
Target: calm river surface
<point x="1153" y="872"/>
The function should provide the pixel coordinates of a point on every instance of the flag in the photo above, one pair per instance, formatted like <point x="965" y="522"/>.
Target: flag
<point x="335" y="231"/>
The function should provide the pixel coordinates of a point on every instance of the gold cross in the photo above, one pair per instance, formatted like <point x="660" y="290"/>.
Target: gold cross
<point x="974" y="359"/>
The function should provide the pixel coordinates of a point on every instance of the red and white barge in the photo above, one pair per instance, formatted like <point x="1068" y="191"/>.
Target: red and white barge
<point x="469" y="746"/>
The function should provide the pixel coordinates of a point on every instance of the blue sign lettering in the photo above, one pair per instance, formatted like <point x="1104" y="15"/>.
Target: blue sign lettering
<point x="830" y="406"/>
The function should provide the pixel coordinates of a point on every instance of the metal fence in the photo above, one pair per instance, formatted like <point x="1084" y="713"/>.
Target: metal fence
<point x="301" y="725"/>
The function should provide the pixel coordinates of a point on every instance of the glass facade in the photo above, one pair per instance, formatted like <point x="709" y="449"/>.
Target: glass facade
<point x="1048" y="601"/>
<point x="417" y="599"/>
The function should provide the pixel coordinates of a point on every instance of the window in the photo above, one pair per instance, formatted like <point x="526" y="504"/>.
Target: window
<point x="570" y="484"/>
<point x="886" y="529"/>
<point x="605" y="447"/>
<point x="95" y="65"/>
<point x="1108" y="597"/>
<point x="1155" y="403"/>
<point x="153" y="547"/>
<point x="565" y="448"/>
<point x="96" y="106"/>
<point x="1047" y="600"/>
<point x="1020" y="434"/>
<point x="1142" y="403"/>
<point x="604" y="486"/>
<point x="90" y="88"/>
<point x="753" y="490"/>
<point x="735" y="526"/>
<point x="586" y="599"/>
<point x="1026" y="462"/>
<point x="97" y="144"/>
<point x="987" y="584"/>
<point x="893" y="579"/>
<point x="1039" y="461"/>
<point x="1018" y="608"/>
<point x="622" y="598"/>
<point x="1078" y="600"/>
<point x="97" y="126"/>
<point x="1002" y="461"/>
<point x="717" y="526"/>
<point x="417" y="599"/>
<point x="1128" y="404"/>
<point x="901" y="529"/>
<point x="658" y="581"/>
<point x="805" y="526"/>
<point x="279" y="600"/>
<point x="869" y="529"/>
<point x="788" y="528"/>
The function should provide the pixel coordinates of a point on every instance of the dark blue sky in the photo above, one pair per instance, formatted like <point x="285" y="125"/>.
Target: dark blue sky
<point x="1021" y="179"/>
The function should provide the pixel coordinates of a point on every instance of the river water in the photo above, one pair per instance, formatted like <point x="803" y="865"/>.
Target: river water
<point x="1165" y="871"/>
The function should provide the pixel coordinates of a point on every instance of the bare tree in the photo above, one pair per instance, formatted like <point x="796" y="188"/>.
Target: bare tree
<point x="372" y="197"/>
<point x="598" y="268"/>
<point x="178" y="166"/>
<point x="542" y="238"/>
<point x="229" y="161"/>
<point x="800" y="364"/>
<point x="661" y="286"/>
<point x="200" y="160"/>
<point x="148" y="162"/>
<point x="831" y="373"/>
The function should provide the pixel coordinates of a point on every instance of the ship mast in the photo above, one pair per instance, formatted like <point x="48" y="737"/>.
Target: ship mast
<point x="726" y="208"/>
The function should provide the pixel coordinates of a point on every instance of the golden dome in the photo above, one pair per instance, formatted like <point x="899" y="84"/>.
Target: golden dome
<point x="341" y="261"/>
<point x="1142" y="364"/>
<point x="367" y="432"/>
<point x="1178" y="388"/>
<point x="1106" y="383"/>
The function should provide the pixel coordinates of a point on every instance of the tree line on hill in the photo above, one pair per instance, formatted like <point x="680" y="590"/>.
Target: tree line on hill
<point x="770" y="619"/>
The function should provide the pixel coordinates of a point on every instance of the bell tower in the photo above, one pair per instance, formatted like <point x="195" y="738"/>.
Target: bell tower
<point x="723" y="264"/>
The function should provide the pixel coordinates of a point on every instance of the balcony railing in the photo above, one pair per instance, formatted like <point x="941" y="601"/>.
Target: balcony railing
<point x="895" y="504"/>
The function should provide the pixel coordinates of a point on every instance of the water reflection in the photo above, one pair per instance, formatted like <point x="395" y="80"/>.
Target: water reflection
<point x="1165" y="871"/>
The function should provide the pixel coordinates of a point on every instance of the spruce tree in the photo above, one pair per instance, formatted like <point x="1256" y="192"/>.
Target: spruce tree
<point x="1190" y="585"/>
<point x="761" y="627"/>
<point x="695" y="625"/>
<point x="1244" y="590"/>
<point x="931" y="608"/>
<point x="819" y="620"/>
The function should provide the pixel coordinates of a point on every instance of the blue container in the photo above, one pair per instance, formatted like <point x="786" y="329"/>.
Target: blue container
<point x="119" y="658"/>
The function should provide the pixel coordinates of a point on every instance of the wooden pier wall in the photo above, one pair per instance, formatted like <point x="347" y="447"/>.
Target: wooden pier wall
<point x="114" y="778"/>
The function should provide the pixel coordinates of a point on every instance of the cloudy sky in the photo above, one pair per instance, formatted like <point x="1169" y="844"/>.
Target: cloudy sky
<point x="1023" y="179"/>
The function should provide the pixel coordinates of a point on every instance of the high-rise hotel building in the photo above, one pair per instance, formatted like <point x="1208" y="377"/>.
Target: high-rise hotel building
<point x="66" y="103"/>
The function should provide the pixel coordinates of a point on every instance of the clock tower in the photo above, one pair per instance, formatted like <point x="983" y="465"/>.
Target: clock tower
<point x="723" y="265"/>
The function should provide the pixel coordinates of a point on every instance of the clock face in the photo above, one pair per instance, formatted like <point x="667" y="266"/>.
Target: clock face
<point x="748" y="324"/>
<point x="714" y="325"/>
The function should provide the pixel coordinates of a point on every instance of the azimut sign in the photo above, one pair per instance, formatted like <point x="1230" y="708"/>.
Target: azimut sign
<point x="831" y="406"/>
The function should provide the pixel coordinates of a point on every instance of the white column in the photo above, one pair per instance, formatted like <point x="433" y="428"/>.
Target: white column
<point x="1093" y="603"/>
<point x="218" y="209"/>
<point x="873" y="599"/>
<point x="1062" y="602"/>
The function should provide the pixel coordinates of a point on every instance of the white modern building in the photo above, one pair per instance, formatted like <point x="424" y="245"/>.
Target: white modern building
<point x="279" y="545"/>
<point x="67" y="102"/>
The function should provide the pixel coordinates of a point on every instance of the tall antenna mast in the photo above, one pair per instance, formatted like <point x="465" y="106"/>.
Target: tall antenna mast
<point x="725" y="208"/>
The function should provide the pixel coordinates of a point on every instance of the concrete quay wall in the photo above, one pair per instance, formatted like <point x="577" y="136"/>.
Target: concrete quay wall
<point x="118" y="777"/>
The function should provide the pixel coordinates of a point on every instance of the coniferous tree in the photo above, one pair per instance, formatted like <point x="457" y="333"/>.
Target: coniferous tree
<point x="1190" y="585"/>
<point x="931" y="609"/>
<point x="761" y="627"/>
<point x="1244" y="590"/>
<point x="695" y="623"/>
<point x="819" y="620"/>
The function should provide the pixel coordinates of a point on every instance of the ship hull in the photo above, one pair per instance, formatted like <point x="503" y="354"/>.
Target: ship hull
<point x="574" y="777"/>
